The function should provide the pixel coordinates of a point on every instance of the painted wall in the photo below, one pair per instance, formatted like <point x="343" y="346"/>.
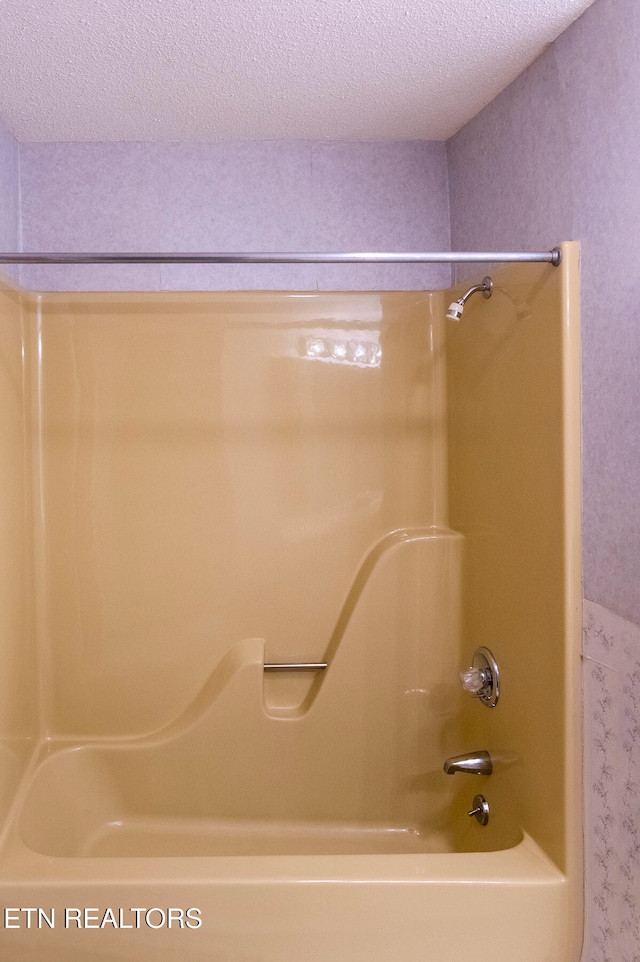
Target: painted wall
<point x="300" y="196"/>
<point x="9" y="196"/>
<point x="9" y="190"/>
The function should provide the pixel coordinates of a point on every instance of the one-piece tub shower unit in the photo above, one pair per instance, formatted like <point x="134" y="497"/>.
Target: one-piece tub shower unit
<point x="196" y="486"/>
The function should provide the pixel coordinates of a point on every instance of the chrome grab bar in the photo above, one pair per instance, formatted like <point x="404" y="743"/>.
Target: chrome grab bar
<point x="296" y="666"/>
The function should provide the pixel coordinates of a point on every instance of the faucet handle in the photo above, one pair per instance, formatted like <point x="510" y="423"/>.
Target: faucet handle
<point x="474" y="679"/>
<point x="482" y="678"/>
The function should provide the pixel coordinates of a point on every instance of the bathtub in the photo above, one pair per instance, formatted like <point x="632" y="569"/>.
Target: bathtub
<point x="344" y="481"/>
<point x="243" y="831"/>
<point x="319" y="907"/>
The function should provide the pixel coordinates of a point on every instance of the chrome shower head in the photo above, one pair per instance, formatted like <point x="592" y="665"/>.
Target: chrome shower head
<point x="454" y="312"/>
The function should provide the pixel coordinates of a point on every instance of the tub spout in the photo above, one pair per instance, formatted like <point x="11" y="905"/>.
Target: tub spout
<point x="479" y="763"/>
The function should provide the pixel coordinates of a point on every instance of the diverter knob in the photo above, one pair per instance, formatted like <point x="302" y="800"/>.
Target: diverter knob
<point x="480" y="809"/>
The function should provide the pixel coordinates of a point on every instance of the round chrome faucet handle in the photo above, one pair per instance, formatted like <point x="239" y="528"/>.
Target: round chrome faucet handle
<point x="480" y="809"/>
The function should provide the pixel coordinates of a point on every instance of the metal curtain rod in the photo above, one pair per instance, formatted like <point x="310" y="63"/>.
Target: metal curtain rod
<point x="452" y="257"/>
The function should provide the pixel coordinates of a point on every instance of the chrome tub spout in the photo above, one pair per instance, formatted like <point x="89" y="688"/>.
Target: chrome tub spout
<point x="478" y="763"/>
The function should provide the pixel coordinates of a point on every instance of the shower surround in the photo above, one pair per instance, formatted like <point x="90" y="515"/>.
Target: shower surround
<point x="209" y="482"/>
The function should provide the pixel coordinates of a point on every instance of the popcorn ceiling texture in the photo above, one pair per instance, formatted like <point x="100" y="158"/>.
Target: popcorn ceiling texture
<point x="166" y="70"/>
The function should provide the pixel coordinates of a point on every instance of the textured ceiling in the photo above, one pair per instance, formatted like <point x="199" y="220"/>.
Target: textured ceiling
<point x="161" y="70"/>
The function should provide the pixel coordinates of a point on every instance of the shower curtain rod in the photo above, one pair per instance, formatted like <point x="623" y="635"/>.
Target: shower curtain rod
<point x="449" y="257"/>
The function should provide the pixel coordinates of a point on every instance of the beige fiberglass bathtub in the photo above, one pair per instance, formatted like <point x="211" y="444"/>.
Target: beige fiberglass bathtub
<point x="219" y="482"/>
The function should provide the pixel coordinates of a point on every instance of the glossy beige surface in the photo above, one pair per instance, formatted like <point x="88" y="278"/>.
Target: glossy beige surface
<point x="322" y="908"/>
<point x="18" y="680"/>
<point x="227" y="479"/>
<point x="514" y="430"/>
<point x="205" y="481"/>
<point x="358" y="770"/>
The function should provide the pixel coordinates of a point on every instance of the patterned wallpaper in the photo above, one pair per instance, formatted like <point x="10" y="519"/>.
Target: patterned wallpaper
<point x="611" y="665"/>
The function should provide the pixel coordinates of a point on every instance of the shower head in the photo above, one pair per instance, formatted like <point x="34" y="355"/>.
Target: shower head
<point x="454" y="312"/>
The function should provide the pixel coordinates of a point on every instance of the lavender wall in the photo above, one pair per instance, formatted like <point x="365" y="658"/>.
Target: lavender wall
<point x="557" y="157"/>
<point x="9" y="191"/>
<point x="299" y="196"/>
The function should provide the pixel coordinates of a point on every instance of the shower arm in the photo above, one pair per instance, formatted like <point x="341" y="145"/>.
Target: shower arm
<point x="425" y="257"/>
<point x="486" y="288"/>
<point x="455" y="310"/>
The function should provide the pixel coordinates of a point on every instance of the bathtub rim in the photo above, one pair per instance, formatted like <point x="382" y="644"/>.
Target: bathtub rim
<point x="524" y="863"/>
